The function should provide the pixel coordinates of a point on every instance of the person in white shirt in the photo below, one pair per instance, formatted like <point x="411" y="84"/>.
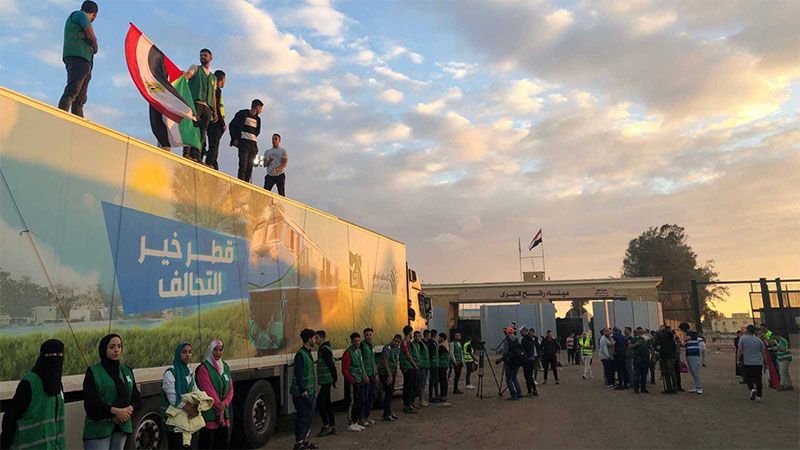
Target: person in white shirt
<point x="276" y="161"/>
<point x="605" y="350"/>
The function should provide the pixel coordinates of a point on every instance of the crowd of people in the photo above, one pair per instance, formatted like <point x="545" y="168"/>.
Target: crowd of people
<point x="205" y="86"/>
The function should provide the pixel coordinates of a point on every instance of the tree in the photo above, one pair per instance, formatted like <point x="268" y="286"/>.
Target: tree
<point x="664" y="251"/>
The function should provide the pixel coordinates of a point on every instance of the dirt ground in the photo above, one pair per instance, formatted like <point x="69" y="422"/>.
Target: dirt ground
<point x="585" y="414"/>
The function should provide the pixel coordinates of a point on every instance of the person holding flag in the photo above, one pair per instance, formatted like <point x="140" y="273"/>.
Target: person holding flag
<point x="203" y="86"/>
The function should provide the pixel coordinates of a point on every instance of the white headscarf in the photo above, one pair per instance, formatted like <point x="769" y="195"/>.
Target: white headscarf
<point x="210" y="356"/>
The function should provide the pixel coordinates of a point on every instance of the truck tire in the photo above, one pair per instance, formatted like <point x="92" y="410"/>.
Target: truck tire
<point x="255" y="418"/>
<point x="147" y="432"/>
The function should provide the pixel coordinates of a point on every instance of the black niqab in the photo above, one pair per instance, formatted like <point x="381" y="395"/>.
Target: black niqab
<point x="112" y="368"/>
<point x="49" y="368"/>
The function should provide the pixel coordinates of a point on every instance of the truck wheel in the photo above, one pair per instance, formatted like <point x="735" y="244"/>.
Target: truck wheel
<point x="148" y="434"/>
<point x="258" y="414"/>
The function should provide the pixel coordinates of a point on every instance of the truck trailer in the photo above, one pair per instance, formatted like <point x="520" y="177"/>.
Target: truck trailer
<point x="101" y="233"/>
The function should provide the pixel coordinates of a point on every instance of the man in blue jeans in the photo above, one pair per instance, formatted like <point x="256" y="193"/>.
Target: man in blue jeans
<point x="304" y="382"/>
<point x="512" y="355"/>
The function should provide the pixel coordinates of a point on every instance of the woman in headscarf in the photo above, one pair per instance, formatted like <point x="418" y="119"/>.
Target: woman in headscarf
<point x="110" y="398"/>
<point x="214" y="377"/>
<point x="35" y="416"/>
<point x="178" y="380"/>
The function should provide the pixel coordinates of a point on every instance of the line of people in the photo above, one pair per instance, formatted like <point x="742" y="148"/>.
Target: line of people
<point x="205" y="86"/>
<point x="195" y="407"/>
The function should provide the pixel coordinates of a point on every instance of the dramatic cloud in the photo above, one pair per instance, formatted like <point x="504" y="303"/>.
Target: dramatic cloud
<point x="320" y="16"/>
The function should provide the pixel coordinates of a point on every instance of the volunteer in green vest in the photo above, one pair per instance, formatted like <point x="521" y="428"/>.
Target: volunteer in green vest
<point x="433" y="378"/>
<point x="216" y="129"/>
<point x="353" y="372"/>
<point x="178" y="380"/>
<point x="387" y="370"/>
<point x="457" y="359"/>
<point x="585" y="343"/>
<point x="469" y="360"/>
<point x="34" y="418"/>
<point x="327" y="379"/>
<point x="203" y="86"/>
<point x="80" y="46"/>
<point x="409" y="369"/>
<point x="421" y="341"/>
<point x="213" y="376"/>
<point x="110" y="398"/>
<point x="371" y="375"/>
<point x="443" y="363"/>
<point x="303" y="388"/>
<point x="416" y="356"/>
<point x="784" y="356"/>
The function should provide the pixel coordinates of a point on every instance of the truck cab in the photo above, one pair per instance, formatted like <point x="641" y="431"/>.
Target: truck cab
<point x="419" y="304"/>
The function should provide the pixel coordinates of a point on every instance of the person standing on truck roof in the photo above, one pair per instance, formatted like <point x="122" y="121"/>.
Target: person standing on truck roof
<point x="370" y="375"/>
<point x="457" y="360"/>
<point x="276" y="161"/>
<point x="110" y="398"/>
<point x="390" y="359"/>
<point x="35" y="415"/>
<point x="80" y="46"/>
<point x="216" y="128"/>
<point x="469" y="361"/>
<point x="214" y="378"/>
<point x="244" y="130"/>
<point x="421" y="341"/>
<point x="409" y="369"/>
<point x="353" y="371"/>
<point x="203" y="86"/>
<point x="433" y="383"/>
<point x="304" y="383"/>
<point x="178" y="380"/>
<point x="327" y="378"/>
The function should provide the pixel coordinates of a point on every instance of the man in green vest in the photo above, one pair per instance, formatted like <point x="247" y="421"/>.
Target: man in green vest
<point x="390" y="360"/>
<point x="421" y="342"/>
<point x="469" y="360"/>
<point x="371" y="375"/>
<point x="327" y="378"/>
<point x="34" y="418"/>
<point x="784" y="356"/>
<point x="409" y="368"/>
<point x="80" y="46"/>
<point x="353" y="371"/>
<point x="443" y="363"/>
<point x="433" y="379"/>
<point x="216" y="129"/>
<point x="457" y="359"/>
<point x="303" y="387"/>
<point x="203" y="86"/>
<point x="585" y="344"/>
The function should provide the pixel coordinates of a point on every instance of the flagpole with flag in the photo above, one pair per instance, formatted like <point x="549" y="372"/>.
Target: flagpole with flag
<point x="535" y="242"/>
<point x="519" y="247"/>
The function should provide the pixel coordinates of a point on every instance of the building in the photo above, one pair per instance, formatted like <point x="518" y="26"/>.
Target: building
<point x="730" y="325"/>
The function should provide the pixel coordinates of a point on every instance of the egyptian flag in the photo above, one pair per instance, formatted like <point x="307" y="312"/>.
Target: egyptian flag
<point x="537" y="239"/>
<point x="165" y="88"/>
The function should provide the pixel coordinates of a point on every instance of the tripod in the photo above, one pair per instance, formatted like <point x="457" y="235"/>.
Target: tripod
<point x="481" y="357"/>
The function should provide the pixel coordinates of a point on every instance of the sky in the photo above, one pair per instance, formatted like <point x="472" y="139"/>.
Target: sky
<point x="459" y="127"/>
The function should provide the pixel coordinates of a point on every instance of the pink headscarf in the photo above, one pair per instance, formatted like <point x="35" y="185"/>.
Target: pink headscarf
<point x="210" y="356"/>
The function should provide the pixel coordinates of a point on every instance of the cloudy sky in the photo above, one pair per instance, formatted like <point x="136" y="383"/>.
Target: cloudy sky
<point x="459" y="126"/>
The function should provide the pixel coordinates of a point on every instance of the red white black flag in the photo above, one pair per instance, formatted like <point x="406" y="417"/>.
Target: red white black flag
<point x="537" y="239"/>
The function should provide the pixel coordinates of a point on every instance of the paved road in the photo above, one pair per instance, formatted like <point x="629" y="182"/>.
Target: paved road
<point x="585" y="414"/>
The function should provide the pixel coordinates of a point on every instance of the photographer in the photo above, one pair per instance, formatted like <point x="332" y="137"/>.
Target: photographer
<point x="512" y="355"/>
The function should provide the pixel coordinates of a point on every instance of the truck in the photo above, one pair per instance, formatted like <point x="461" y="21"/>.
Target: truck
<point x="101" y="232"/>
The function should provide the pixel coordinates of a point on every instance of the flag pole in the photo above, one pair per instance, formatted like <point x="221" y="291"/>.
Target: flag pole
<point x="519" y="249"/>
<point x="544" y="269"/>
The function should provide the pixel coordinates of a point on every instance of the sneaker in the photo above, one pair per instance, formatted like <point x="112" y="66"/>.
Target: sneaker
<point x="388" y="419"/>
<point x="371" y="422"/>
<point x="361" y="426"/>
<point x="354" y="427"/>
<point x="758" y="399"/>
<point x="535" y="382"/>
<point x="425" y="404"/>
<point x="692" y="391"/>
<point x="394" y="417"/>
<point x="699" y="391"/>
<point x="752" y="394"/>
<point x="469" y="386"/>
<point x="324" y="431"/>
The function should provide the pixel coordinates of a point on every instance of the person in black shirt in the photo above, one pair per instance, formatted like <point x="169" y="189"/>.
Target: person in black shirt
<point x="530" y="345"/>
<point x="550" y="348"/>
<point x="217" y="128"/>
<point x="244" y="130"/>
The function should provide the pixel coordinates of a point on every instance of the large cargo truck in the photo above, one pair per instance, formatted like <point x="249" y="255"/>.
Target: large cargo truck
<point x="100" y="232"/>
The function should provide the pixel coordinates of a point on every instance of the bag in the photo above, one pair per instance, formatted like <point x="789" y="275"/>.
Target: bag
<point x="684" y="367"/>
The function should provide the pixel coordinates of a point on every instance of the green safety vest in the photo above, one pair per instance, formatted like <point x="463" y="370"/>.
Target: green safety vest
<point x="165" y="402"/>
<point x="368" y="353"/>
<point x="356" y="363"/>
<point x="425" y="359"/>
<point x="202" y="85"/>
<point x="586" y="346"/>
<point x="444" y="357"/>
<point x="75" y="43"/>
<point x="309" y="379"/>
<point x="434" y="355"/>
<point x="222" y="385"/>
<point x="39" y="427"/>
<point x="107" y="391"/>
<point x="415" y="355"/>
<point x="458" y="352"/>
<point x="468" y="352"/>
<point x="404" y="363"/>
<point x="394" y="361"/>
<point x="784" y="354"/>
<point x="324" y="375"/>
